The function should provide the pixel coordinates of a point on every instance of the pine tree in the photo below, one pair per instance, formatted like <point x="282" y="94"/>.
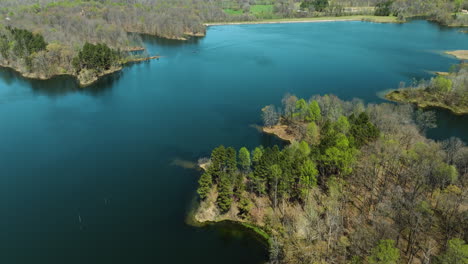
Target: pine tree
<point x="204" y="185"/>
<point x="231" y="160"/>
<point x="224" y="200"/>
<point x="218" y="157"/>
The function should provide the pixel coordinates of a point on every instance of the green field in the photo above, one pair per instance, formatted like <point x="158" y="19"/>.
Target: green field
<point x="262" y="10"/>
<point x="233" y="12"/>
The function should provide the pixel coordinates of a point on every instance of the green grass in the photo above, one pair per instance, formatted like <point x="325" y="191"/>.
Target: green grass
<point x="257" y="230"/>
<point x="261" y="10"/>
<point x="233" y="12"/>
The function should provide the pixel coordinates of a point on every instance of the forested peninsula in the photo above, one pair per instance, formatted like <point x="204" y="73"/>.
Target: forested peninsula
<point x="358" y="184"/>
<point x="447" y="90"/>
<point x="88" y="39"/>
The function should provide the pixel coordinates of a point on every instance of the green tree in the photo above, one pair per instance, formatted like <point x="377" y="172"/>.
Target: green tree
<point x="362" y="130"/>
<point x="313" y="113"/>
<point x="308" y="178"/>
<point x="342" y="125"/>
<point x="231" y="160"/>
<point x="244" y="159"/>
<point x="204" y="185"/>
<point x="456" y="253"/>
<point x="257" y="154"/>
<point x="225" y="193"/>
<point x="337" y="160"/>
<point x="320" y="5"/>
<point x="385" y="253"/>
<point x="301" y="110"/>
<point x="383" y="8"/>
<point x="313" y="134"/>
<point x="275" y="177"/>
<point x="218" y="157"/>
<point x="441" y="84"/>
<point x="97" y="57"/>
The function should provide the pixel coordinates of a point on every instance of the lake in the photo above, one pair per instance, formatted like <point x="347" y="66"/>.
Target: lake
<point x="93" y="175"/>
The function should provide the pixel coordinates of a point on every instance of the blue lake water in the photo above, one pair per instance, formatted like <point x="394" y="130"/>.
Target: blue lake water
<point x="88" y="175"/>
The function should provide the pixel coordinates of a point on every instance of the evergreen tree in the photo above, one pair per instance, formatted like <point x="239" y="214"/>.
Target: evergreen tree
<point x="225" y="193"/>
<point x="204" y="185"/>
<point x="218" y="157"/>
<point x="362" y="130"/>
<point x="257" y="154"/>
<point x="231" y="160"/>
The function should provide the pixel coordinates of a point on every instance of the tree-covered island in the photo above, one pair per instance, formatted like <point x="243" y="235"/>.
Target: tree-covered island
<point x="358" y="184"/>
<point x="44" y="38"/>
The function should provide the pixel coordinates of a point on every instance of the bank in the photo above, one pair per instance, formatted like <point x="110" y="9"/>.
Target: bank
<point x="375" y="19"/>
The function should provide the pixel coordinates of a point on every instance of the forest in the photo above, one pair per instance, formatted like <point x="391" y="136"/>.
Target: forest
<point x="360" y="184"/>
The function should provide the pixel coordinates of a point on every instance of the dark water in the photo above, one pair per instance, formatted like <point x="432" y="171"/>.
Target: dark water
<point x="86" y="175"/>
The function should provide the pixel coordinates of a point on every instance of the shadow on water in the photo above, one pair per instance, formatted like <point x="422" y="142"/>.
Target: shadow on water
<point x="60" y="85"/>
<point x="162" y="42"/>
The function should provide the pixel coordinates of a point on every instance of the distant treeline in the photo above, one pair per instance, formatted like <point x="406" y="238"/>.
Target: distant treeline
<point x="68" y="25"/>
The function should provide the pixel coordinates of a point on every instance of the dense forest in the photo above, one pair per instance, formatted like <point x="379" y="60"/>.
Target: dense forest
<point x="448" y="90"/>
<point x="66" y="26"/>
<point x="360" y="184"/>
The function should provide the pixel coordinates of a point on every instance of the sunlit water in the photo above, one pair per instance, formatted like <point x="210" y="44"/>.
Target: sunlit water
<point x="88" y="175"/>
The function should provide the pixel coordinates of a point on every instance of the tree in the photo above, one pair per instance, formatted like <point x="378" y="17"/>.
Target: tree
<point x="301" y="110"/>
<point x="289" y="105"/>
<point x="338" y="158"/>
<point x="313" y="134"/>
<point x="275" y="176"/>
<point x="97" y="57"/>
<point x="231" y="161"/>
<point x="204" y="185"/>
<point x="441" y="84"/>
<point x="342" y="125"/>
<point x="307" y="178"/>
<point x="257" y="154"/>
<point x="320" y="5"/>
<point x="244" y="159"/>
<point x="218" y="157"/>
<point x="225" y="193"/>
<point x="456" y="253"/>
<point x="425" y="119"/>
<point x="383" y="8"/>
<point x="362" y="130"/>
<point x="270" y="116"/>
<point x="313" y="113"/>
<point x="385" y="253"/>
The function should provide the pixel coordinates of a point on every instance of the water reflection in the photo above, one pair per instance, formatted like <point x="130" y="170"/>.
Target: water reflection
<point x="59" y="85"/>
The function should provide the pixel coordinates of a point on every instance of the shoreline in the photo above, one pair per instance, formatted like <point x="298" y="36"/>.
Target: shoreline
<point x="400" y="97"/>
<point x="459" y="54"/>
<point x="82" y="83"/>
<point x="374" y="19"/>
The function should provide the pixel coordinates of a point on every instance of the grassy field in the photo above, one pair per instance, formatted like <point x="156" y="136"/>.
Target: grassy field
<point x="262" y="10"/>
<point x="233" y="12"/>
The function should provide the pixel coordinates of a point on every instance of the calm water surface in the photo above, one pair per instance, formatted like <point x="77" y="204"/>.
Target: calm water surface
<point x="88" y="176"/>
